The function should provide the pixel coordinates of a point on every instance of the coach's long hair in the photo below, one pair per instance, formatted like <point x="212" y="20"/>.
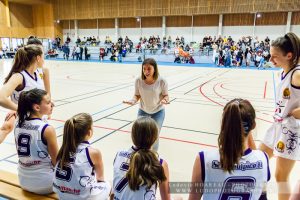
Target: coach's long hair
<point x="75" y="130"/>
<point x="144" y="167"/>
<point x="26" y="101"/>
<point x="290" y="42"/>
<point x="237" y="121"/>
<point x="24" y="57"/>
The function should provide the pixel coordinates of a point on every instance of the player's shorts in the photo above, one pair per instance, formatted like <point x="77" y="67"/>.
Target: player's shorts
<point x="284" y="138"/>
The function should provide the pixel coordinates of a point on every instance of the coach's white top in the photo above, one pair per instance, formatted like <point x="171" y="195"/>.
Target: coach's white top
<point x="121" y="189"/>
<point x="35" y="169"/>
<point x="245" y="182"/>
<point x="151" y="95"/>
<point x="29" y="83"/>
<point x="78" y="180"/>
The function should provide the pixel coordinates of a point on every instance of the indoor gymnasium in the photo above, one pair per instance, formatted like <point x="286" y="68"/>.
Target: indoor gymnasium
<point x="144" y="100"/>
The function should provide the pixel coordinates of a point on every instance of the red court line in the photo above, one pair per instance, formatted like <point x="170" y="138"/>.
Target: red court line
<point x="203" y="94"/>
<point x="162" y="137"/>
<point x="200" y="88"/>
<point x="214" y="88"/>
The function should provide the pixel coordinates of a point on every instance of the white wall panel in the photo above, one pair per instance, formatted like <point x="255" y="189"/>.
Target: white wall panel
<point x="235" y="32"/>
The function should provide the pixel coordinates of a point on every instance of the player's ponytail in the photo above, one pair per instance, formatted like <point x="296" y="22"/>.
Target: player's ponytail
<point x="290" y="42"/>
<point x="144" y="166"/>
<point x="237" y="121"/>
<point x="26" y="101"/>
<point x="24" y="57"/>
<point x="75" y="130"/>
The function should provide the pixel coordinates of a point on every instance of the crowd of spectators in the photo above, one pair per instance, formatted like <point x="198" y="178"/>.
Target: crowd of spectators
<point x="225" y="51"/>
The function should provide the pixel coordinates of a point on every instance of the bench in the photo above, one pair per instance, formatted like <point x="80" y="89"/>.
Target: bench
<point x="10" y="188"/>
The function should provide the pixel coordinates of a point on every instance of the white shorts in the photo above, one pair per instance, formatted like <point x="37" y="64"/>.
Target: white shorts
<point x="38" y="181"/>
<point x="100" y="191"/>
<point x="36" y="185"/>
<point x="284" y="138"/>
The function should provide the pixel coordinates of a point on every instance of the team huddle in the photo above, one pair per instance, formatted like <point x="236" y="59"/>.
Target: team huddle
<point x="76" y="170"/>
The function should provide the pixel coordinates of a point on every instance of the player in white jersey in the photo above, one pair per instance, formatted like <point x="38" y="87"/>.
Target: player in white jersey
<point x="79" y="173"/>
<point x="283" y="137"/>
<point x="234" y="171"/>
<point x="139" y="171"/>
<point x="22" y="77"/>
<point x="36" y="142"/>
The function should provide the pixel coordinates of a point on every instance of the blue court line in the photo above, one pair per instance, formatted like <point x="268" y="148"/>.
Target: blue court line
<point x="13" y="162"/>
<point x="107" y="109"/>
<point x="8" y="143"/>
<point x="205" y="65"/>
<point x="97" y="94"/>
<point x="110" y="133"/>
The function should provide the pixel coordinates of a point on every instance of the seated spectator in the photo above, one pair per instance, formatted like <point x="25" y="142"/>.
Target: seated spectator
<point x="258" y="59"/>
<point x="164" y="50"/>
<point x="113" y="56"/>
<point x="78" y="41"/>
<point x="52" y="53"/>
<point x="102" y="53"/>
<point x="192" y="61"/>
<point x="138" y="48"/>
<point x="124" y="51"/>
<point x="177" y="60"/>
<point x="234" y="61"/>
<point x="68" y="40"/>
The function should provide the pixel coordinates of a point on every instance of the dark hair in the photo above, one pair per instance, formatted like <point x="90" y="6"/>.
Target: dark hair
<point x="26" y="101"/>
<point x="144" y="166"/>
<point x="75" y="130"/>
<point x="237" y="121"/>
<point x="290" y="42"/>
<point x="153" y="63"/>
<point x="34" y="41"/>
<point x="24" y="57"/>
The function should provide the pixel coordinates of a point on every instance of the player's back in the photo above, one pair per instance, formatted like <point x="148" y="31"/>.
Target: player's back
<point x="246" y="181"/>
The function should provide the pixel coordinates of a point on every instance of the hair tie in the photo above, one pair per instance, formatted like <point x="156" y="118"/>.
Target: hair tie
<point x="246" y="126"/>
<point x="141" y="148"/>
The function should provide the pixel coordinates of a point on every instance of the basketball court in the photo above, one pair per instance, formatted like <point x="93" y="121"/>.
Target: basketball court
<point x="192" y="123"/>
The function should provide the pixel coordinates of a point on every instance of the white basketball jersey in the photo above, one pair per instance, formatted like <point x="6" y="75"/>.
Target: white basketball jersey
<point x="29" y="83"/>
<point x="244" y="183"/>
<point x="287" y="95"/>
<point x="78" y="180"/>
<point x="35" y="168"/>
<point x="121" y="189"/>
